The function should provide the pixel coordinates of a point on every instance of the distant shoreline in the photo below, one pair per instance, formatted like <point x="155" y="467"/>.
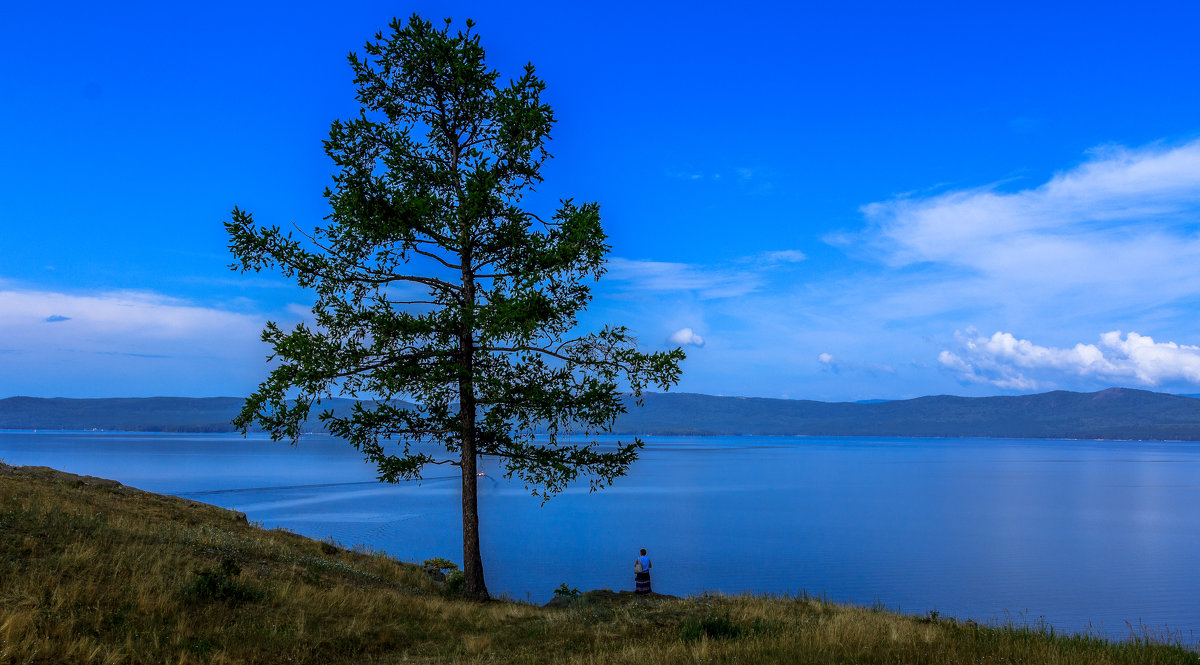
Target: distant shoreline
<point x="1115" y="414"/>
<point x="639" y="434"/>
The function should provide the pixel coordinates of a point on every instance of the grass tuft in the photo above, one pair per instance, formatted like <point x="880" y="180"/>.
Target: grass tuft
<point x="711" y="627"/>
<point x="219" y="584"/>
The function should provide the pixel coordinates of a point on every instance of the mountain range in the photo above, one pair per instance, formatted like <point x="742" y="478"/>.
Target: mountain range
<point x="1115" y="413"/>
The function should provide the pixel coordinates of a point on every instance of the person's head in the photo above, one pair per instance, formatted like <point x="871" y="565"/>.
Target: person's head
<point x="643" y="551"/>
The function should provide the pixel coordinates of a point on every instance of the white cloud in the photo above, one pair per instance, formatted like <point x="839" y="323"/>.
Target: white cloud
<point x="685" y="336"/>
<point x="1005" y="361"/>
<point x="829" y="363"/>
<point x="1155" y="362"/>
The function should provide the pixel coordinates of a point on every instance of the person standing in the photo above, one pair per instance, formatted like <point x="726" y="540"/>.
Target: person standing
<point x="641" y="574"/>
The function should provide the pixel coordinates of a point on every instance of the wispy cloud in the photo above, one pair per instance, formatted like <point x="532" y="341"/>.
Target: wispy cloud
<point x="835" y="365"/>
<point x="116" y="319"/>
<point x="736" y="278"/>
<point x="1007" y="362"/>
<point x="1121" y="229"/>
<point x="740" y="173"/>
<point x="299" y="311"/>
<point x="783" y="256"/>
<point x="748" y="180"/>
<point x="133" y="355"/>
<point x="155" y="344"/>
<point x="663" y="276"/>
<point x="1112" y="242"/>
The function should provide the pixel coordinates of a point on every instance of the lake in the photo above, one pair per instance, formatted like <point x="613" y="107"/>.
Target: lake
<point x="1085" y="535"/>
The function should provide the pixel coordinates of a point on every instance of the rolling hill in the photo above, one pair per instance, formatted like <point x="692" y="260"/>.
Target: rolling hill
<point x="1115" y="413"/>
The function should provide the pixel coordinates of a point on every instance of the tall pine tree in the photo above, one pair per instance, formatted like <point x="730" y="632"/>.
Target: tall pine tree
<point x="433" y="285"/>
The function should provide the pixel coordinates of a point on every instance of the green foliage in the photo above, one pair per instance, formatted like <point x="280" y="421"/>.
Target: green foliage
<point x="218" y="584"/>
<point x="434" y="286"/>
<point x="455" y="582"/>
<point x="564" y="591"/>
<point x="440" y="563"/>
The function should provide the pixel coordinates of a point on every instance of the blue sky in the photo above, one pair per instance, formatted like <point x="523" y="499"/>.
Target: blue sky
<point x="822" y="202"/>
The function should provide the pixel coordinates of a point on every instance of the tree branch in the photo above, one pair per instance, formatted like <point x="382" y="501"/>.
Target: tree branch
<point x="437" y="258"/>
<point x="548" y="352"/>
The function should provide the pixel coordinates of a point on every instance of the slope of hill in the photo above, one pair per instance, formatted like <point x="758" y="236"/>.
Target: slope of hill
<point x="92" y="571"/>
<point x="1115" y="413"/>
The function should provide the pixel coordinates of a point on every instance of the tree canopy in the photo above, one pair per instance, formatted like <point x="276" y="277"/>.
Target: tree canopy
<point x="434" y="286"/>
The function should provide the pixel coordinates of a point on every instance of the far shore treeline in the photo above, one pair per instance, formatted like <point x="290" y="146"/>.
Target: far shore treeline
<point x="1115" y="413"/>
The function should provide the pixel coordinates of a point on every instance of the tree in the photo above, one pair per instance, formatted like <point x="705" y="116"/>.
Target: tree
<point x="433" y="286"/>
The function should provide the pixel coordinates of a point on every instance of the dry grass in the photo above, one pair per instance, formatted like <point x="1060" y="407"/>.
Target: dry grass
<point x="93" y="572"/>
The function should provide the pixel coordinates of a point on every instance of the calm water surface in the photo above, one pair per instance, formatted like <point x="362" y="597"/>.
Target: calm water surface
<point x="1083" y="534"/>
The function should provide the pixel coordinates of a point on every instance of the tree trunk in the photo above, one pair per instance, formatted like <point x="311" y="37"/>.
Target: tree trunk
<point x="472" y="560"/>
<point x="474" y="586"/>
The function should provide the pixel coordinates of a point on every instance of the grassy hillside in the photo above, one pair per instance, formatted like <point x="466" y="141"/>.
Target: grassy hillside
<point x="95" y="572"/>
